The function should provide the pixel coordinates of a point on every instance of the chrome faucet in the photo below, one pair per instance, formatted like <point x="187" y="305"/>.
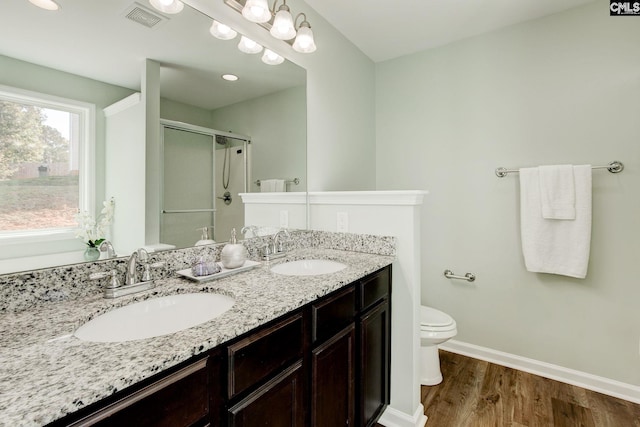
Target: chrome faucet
<point x="252" y="228"/>
<point x="131" y="284"/>
<point x="131" y="275"/>
<point x="278" y="246"/>
<point x="107" y="247"/>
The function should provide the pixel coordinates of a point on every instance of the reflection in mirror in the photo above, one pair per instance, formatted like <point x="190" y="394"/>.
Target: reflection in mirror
<point x="91" y="52"/>
<point x="203" y="173"/>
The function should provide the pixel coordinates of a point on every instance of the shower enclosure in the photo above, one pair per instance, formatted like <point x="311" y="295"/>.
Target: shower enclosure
<point x="203" y="171"/>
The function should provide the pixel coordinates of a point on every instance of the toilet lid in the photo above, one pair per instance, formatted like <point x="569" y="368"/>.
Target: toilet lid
<point x="432" y="317"/>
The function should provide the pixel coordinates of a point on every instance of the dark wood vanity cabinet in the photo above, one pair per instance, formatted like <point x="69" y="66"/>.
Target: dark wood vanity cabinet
<point x="374" y="346"/>
<point x="333" y="360"/>
<point x="325" y="364"/>
<point x="181" y="398"/>
<point x="279" y="402"/>
<point x="266" y="376"/>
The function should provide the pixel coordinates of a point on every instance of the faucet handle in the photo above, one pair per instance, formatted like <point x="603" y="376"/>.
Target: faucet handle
<point x="114" y="282"/>
<point x="146" y="274"/>
<point x="266" y="250"/>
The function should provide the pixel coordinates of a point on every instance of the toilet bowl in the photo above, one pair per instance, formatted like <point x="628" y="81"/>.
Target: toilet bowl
<point x="436" y="327"/>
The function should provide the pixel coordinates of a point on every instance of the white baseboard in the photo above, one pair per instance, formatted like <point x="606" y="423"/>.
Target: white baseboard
<point x="393" y="418"/>
<point x="581" y="379"/>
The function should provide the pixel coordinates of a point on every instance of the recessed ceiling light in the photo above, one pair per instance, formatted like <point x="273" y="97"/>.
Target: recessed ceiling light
<point x="230" y="77"/>
<point x="46" y="4"/>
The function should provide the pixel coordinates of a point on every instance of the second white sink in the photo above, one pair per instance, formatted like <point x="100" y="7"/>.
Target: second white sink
<point x="308" y="267"/>
<point x="155" y="317"/>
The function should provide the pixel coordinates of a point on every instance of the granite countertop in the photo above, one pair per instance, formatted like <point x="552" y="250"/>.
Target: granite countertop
<point x="48" y="373"/>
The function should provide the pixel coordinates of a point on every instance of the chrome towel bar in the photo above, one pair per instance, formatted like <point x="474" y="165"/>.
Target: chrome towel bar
<point x="174" y="211"/>
<point x="295" y="181"/>
<point x="613" y="167"/>
<point x="469" y="277"/>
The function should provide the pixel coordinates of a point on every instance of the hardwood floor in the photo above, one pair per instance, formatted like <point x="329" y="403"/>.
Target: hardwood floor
<point x="475" y="393"/>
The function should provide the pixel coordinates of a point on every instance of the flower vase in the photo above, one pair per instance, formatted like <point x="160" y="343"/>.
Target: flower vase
<point x="91" y="253"/>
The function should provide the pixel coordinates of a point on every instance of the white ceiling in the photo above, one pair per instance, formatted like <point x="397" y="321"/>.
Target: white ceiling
<point x="391" y="28"/>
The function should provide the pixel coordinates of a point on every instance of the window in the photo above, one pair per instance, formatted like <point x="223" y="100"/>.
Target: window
<point x="46" y="164"/>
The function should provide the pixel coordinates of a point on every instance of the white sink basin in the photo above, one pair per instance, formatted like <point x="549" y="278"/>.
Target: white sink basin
<point x="154" y="317"/>
<point x="308" y="267"/>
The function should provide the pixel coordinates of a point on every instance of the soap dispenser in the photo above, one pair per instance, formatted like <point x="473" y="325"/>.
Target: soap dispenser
<point x="233" y="254"/>
<point x="204" y="240"/>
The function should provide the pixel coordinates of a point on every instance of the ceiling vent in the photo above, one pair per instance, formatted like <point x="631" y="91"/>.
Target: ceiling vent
<point x="143" y="16"/>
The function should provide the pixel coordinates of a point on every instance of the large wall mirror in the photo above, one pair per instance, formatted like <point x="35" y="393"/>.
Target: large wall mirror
<point x="94" y="52"/>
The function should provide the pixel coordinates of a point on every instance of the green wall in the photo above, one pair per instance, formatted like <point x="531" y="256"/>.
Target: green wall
<point x="561" y="89"/>
<point x="277" y="125"/>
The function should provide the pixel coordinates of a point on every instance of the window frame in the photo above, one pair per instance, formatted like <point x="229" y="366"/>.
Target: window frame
<point x="86" y="160"/>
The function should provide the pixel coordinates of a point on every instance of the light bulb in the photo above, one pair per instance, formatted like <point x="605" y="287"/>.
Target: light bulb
<point x="167" y="6"/>
<point x="304" y="42"/>
<point x="46" y="4"/>
<point x="247" y="45"/>
<point x="271" y="58"/>
<point x="283" y="28"/>
<point x="222" y="31"/>
<point x="256" y="11"/>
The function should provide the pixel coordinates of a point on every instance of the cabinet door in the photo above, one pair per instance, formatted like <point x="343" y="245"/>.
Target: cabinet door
<point x="278" y="403"/>
<point x="375" y="352"/>
<point x="333" y="378"/>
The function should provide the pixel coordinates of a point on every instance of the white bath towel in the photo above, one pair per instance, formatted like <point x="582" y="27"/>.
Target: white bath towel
<point x="272" y="185"/>
<point x="551" y="245"/>
<point x="557" y="192"/>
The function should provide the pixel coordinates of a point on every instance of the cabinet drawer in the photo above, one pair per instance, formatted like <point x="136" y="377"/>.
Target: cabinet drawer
<point x="180" y="399"/>
<point x="330" y="316"/>
<point x="374" y="288"/>
<point x="264" y="353"/>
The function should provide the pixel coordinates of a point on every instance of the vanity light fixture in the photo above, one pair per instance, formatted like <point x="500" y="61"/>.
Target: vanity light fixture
<point x="283" y="28"/>
<point x="257" y="11"/>
<point x="304" y="42"/>
<point x="168" y="6"/>
<point x="269" y="57"/>
<point x="46" y="4"/>
<point x="222" y="31"/>
<point x="279" y="22"/>
<point x="247" y="45"/>
<point x="230" y="77"/>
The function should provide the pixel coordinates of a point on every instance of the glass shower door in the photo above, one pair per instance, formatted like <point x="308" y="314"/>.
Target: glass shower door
<point x="188" y="186"/>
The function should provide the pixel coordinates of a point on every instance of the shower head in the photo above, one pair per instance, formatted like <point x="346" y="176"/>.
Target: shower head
<point x="222" y="140"/>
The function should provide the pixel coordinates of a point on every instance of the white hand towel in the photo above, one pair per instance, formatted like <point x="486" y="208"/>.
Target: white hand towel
<point x="267" y="185"/>
<point x="271" y="185"/>
<point x="557" y="192"/>
<point x="551" y="245"/>
<point x="280" y="185"/>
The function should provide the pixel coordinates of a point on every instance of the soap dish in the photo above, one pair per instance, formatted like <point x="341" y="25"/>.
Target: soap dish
<point x="224" y="272"/>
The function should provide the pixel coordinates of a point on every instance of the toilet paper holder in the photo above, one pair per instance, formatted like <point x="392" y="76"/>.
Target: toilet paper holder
<point x="469" y="277"/>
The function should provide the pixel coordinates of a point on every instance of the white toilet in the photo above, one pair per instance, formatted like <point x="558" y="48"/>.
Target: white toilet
<point x="436" y="327"/>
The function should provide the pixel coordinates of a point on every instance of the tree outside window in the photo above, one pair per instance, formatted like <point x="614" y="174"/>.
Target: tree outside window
<point x="39" y="177"/>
